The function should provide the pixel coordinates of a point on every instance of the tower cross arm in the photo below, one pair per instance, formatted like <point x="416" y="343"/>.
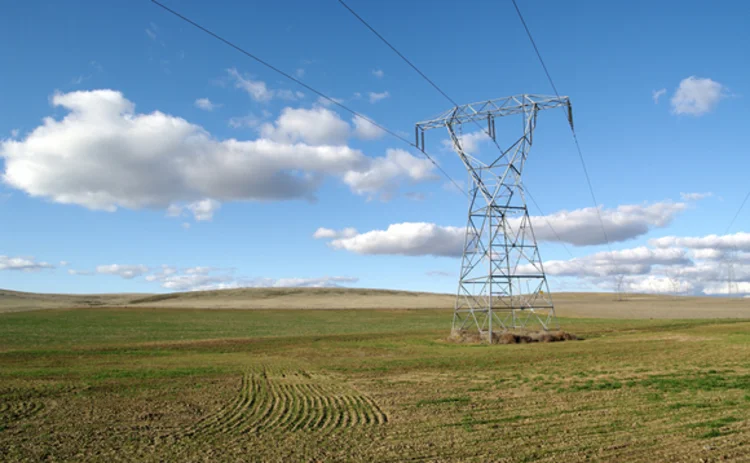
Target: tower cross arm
<point x="485" y="110"/>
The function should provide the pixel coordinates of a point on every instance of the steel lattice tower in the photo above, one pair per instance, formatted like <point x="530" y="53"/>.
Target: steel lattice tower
<point x="502" y="284"/>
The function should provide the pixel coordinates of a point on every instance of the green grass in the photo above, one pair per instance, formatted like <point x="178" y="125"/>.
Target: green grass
<point x="127" y="382"/>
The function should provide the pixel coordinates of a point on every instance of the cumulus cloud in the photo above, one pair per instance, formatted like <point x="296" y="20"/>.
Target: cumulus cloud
<point x="581" y="227"/>
<point x="375" y="97"/>
<point x="327" y="233"/>
<point x="365" y="129"/>
<point x="206" y="104"/>
<point x="378" y="73"/>
<point x="23" y="264"/>
<point x="125" y="271"/>
<point x="737" y="241"/>
<point x="204" y="209"/>
<point x="103" y="155"/>
<point x="470" y="142"/>
<point x="408" y="239"/>
<point x="207" y="278"/>
<point x="697" y="96"/>
<point x="383" y="175"/>
<point x="317" y="126"/>
<point x="635" y="261"/>
<point x="656" y="94"/>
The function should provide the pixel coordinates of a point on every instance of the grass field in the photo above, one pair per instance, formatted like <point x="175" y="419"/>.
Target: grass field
<point x="169" y="384"/>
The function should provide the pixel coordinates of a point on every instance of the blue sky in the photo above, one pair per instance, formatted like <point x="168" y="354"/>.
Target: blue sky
<point x="138" y="154"/>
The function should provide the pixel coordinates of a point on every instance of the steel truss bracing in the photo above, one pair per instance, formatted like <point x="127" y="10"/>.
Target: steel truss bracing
<point x="502" y="284"/>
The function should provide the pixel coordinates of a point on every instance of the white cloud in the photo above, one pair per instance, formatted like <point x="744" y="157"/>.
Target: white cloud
<point x="14" y="133"/>
<point x="204" y="209"/>
<point x="206" y="104"/>
<point x="80" y="272"/>
<point x="300" y="72"/>
<point x="365" y="129"/>
<point x="64" y="263"/>
<point x="378" y="73"/>
<point x="383" y="175"/>
<point x="469" y="142"/>
<point x="161" y="160"/>
<point x="635" y="261"/>
<point x="257" y="89"/>
<point x="206" y="278"/>
<point x="249" y="121"/>
<point x="375" y="97"/>
<point x="24" y="264"/>
<point x="581" y="227"/>
<point x="317" y="126"/>
<point x="697" y="96"/>
<point x="656" y="94"/>
<point x="151" y="34"/>
<point x="174" y="210"/>
<point x="739" y="241"/>
<point x="409" y="239"/>
<point x="327" y="233"/>
<point x="694" y="196"/>
<point x="125" y="271"/>
<point x="186" y="225"/>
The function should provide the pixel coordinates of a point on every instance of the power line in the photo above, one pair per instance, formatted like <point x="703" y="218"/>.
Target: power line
<point x="436" y="87"/>
<point x="742" y="206"/>
<point x="418" y="71"/>
<point x="572" y="129"/>
<point x="299" y="82"/>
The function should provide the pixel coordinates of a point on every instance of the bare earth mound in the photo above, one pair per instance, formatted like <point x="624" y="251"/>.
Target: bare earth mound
<point x="513" y="337"/>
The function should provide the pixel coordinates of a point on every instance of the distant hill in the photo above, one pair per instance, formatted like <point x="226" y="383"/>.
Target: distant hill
<point x="592" y="305"/>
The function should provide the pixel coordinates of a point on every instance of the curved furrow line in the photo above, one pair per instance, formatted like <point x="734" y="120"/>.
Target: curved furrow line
<point x="333" y="417"/>
<point x="281" y="402"/>
<point x="291" y="408"/>
<point x="19" y="411"/>
<point x="227" y="414"/>
<point x="305" y="409"/>
<point x="235" y="419"/>
<point x="378" y="414"/>
<point x="352" y="410"/>
<point x="316" y="412"/>
<point x="267" y="402"/>
<point x="260" y="402"/>
<point x="325" y="413"/>
<point x="365" y="411"/>
<point x="342" y="415"/>
<point x="209" y="420"/>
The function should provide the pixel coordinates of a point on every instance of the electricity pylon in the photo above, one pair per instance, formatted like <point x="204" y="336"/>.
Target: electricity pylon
<point x="502" y="284"/>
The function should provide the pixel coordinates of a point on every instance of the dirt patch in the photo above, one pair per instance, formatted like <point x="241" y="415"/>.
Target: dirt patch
<point x="513" y="337"/>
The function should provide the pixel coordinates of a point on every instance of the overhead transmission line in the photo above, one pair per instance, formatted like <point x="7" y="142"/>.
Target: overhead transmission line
<point x="436" y="87"/>
<point x="308" y="87"/>
<point x="742" y="206"/>
<point x="572" y="128"/>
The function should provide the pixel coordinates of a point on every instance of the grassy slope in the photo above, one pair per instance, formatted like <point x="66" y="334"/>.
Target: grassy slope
<point x="586" y="305"/>
<point x="127" y="383"/>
